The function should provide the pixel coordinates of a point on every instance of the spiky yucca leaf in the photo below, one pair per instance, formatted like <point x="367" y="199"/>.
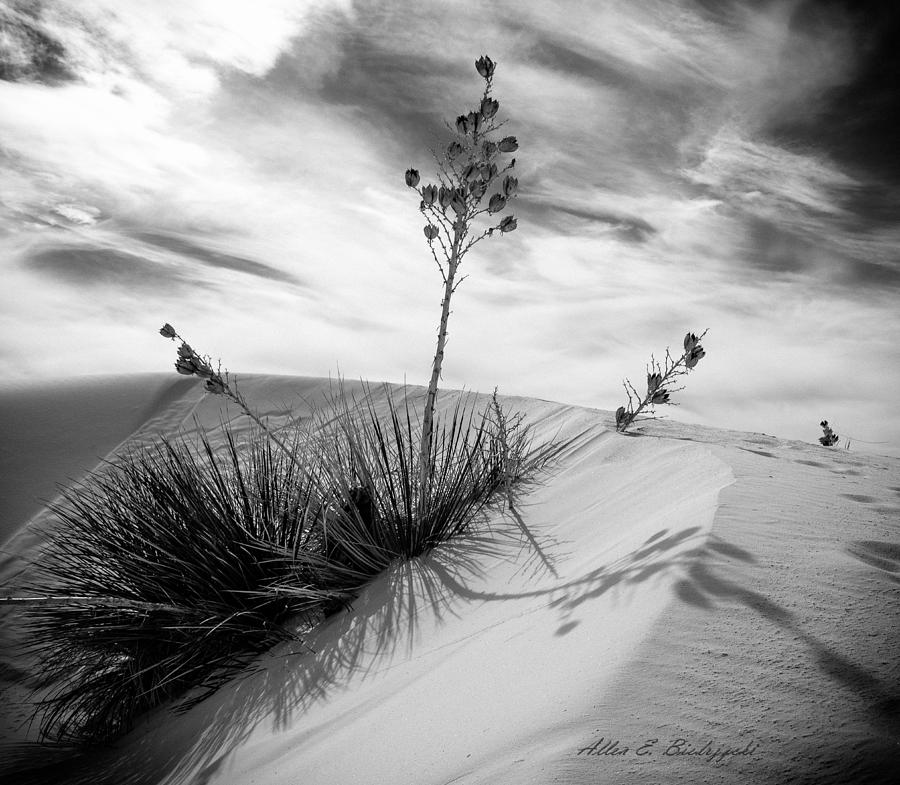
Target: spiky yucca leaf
<point x="370" y="467"/>
<point x="162" y="562"/>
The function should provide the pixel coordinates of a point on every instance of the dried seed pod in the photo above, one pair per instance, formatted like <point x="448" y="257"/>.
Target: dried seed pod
<point x="508" y="224"/>
<point x="485" y="66"/>
<point x="185" y="367"/>
<point x="497" y="203"/>
<point x="429" y="194"/>
<point x="489" y="107"/>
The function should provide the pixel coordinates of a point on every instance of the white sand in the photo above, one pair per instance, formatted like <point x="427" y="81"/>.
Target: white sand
<point x="710" y="586"/>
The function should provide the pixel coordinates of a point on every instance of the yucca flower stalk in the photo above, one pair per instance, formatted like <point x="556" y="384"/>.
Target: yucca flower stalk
<point x="470" y="170"/>
<point x="191" y="363"/>
<point x="659" y="380"/>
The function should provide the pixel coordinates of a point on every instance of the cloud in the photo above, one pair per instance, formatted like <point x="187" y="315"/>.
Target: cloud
<point x="27" y="51"/>
<point x="767" y="179"/>
<point x="88" y="267"/>
<point x="797" y="211"/>
<point x="216" y="259"/>
<point x="567" y="218"/>
<point x="855" y="120"/>
<point x="177" y="47"/>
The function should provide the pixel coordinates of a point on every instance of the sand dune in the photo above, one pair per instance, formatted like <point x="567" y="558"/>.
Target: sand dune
<point x="720" y="607"/>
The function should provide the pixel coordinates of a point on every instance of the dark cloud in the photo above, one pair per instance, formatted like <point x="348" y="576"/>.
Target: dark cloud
<point x="656" y="112"/>
<point x="549" y="52"/>
<point x="857" y="124"/>
<point x="568" y="218"/>
<point x="726" y="12"/>
<point x="877" y="205"/>
<point x="87" y="267"/>
<point x="674" y="94"/>
<point x="398" y="91"/>
<point x="775" y="249"/>
<point x="393" y="93"/>
<point x="217" y="259"/>
<point x="28" y="52"/>
<point x="778" y="250"/>
<point x="872" y="274"/>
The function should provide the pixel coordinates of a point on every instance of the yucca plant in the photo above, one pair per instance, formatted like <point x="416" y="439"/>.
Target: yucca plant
<point x="169" y="569"/>
<point x="175" y="565"/>
<point x="370" y="464"/>
<point x="156" y="578"/>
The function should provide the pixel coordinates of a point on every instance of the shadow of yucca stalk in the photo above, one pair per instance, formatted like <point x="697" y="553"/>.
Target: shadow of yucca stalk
<point x="172" y="568"/>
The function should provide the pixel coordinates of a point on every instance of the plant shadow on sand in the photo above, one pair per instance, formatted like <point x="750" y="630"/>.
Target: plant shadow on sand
<point x="703" y="588"/>
<point x="382" y="624"/>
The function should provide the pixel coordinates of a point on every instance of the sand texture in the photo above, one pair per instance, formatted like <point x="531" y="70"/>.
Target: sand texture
<point x="706" y="607"/>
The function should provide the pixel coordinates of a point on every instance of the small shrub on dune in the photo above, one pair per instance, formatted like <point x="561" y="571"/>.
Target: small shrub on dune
<point x="512" y="438"/>
<point x="829" y="438"/>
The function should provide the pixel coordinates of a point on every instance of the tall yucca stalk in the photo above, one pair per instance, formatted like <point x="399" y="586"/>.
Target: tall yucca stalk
<point x="469" y="171"/>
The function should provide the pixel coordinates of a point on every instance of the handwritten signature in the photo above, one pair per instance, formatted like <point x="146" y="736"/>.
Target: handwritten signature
<point x="710" y="751"/>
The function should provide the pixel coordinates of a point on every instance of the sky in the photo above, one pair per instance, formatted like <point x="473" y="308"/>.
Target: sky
<point x="236" y="168"/>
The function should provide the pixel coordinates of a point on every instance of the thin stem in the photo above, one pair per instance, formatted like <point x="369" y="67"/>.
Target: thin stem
<point x="670" y="370"/>
<point x="217" y="380"/>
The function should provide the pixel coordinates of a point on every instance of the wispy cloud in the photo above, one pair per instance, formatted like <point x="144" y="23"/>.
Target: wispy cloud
<point x="193" y="250"/>
<point x="88" y="267"/>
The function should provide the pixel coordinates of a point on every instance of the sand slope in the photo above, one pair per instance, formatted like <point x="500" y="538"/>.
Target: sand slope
<point x="716" y="587"/>
<point x="53" y="432"/>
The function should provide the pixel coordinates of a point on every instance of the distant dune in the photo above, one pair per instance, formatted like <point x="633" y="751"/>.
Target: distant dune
<point x="724" y="609"/>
